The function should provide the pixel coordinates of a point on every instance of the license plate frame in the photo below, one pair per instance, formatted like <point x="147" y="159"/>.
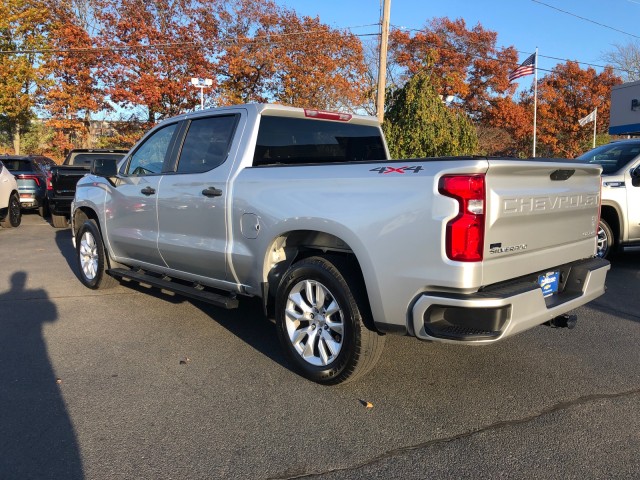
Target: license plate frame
<point x="549" y="283"/>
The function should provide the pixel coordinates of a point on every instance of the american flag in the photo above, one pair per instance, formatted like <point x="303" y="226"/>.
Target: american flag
<point x="526" y="68"/>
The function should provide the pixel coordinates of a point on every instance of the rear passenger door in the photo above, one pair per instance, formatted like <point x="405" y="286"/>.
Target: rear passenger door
<point x="192" y="200"/>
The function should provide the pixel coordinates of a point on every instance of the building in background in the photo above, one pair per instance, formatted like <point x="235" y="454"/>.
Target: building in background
<point x="625" y="109"/>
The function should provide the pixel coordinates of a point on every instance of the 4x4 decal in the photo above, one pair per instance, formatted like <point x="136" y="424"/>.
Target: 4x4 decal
<point x="385" y="170"/>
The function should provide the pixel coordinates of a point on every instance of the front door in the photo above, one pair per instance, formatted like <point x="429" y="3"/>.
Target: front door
<point x="131" y="211"/>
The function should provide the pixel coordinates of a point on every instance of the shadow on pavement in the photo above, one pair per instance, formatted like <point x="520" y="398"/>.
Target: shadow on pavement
<point x="37" y="439"/>
<point x="63" y="241"/>
<point x="623" y="287"/>
<point x="249" y="324"/>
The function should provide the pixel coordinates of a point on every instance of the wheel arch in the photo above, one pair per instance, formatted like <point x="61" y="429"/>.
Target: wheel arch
<point x="80" y="215"/>
<point x="611" y="214"/>
<point x="295" y="245"/>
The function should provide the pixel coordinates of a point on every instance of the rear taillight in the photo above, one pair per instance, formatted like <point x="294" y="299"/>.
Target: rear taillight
<point x="49" y="185"/>
<point x="24" y="176"/>
<point x="465" y="233"/>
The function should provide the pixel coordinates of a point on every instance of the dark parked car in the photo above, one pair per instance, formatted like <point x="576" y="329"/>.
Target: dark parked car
<point x="62" y="182"/>
<point x="31" y="172"/>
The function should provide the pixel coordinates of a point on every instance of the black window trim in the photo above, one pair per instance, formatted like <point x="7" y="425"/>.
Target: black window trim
<point x="172" y="167"/>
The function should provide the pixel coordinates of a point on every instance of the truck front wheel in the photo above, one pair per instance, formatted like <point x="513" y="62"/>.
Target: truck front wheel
<point x="321" y="306"/>
<point x="92" y="257"/>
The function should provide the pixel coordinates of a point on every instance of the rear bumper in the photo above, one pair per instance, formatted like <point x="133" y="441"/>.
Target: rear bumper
<point x="30" y="198"/>
<point x="505" y="310"/>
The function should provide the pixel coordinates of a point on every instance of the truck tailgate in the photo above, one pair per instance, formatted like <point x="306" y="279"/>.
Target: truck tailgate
<point x="539" y="214"/>
<point x="64" y="179"/>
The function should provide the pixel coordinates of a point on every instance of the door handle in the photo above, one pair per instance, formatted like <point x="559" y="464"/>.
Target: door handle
<point x="148" y="191"/>
<point x="212" y="192"/>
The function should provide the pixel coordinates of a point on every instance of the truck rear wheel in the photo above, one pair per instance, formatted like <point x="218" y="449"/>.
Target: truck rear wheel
<point x="606" y="240"/>
<point x="92" y="261"/>
<point x="321" y="310"/>
<point x="14" y="213"/>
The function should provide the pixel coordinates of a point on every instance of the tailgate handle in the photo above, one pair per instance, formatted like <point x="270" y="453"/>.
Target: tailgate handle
<point x="148" y="191"/>
<point x="212" y="192"/>
<point x="560" y="175"/>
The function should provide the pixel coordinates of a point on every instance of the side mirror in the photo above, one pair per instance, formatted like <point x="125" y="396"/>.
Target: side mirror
<point x="104" y="167"/>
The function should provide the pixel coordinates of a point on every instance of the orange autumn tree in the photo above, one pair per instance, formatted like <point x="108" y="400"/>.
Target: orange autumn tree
<point x="74" y="94"/>
<point x="565" y="95"/>
<point x="318" y="66"/>
<point x="271" y="54"/>
<point x="246" y="57"/>
<point x="153" y="49"/>
<point x="508" y="127"/>
<point x="24" y="39"/>
<point x="464" y="63"/>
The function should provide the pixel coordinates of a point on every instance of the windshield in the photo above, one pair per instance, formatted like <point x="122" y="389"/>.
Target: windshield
<point x="613" y="156"/>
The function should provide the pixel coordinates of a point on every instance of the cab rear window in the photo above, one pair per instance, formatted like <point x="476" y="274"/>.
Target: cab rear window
<point x="290" y="141"/>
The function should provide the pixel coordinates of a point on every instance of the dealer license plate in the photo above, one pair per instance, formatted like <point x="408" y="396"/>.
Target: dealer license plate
<point x="549" y="283"/>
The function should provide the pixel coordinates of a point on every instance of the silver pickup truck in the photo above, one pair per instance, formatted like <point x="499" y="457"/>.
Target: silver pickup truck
<point x="304" y="209"/>
<point x="619" y="227"/>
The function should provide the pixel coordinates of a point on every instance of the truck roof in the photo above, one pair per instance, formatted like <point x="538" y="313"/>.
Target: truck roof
<point x="285" y="111"/>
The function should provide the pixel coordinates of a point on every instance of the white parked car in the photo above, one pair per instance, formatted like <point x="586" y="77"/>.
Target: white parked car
<point x="10" y="215"/>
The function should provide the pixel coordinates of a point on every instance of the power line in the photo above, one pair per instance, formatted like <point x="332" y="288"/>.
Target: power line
<point x="484" y="57"/>
<point x="586" y="19"/>
<point x="160" y="46"/>
<point x="471" y="54"/>
<point x="275" y="38"/>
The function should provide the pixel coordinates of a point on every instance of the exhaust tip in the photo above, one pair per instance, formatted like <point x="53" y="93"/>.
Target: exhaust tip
<point x="563" y="321"/>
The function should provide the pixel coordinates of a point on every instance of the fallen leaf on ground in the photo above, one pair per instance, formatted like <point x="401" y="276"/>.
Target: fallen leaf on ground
<point x="366" y="404"/>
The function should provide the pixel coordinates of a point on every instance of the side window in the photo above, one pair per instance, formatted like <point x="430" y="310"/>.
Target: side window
<point x="206" y="144"/>
<point x="149" y="157"/>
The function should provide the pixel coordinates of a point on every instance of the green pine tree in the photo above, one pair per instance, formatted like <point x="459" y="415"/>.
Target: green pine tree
<point x="418" y="124"/>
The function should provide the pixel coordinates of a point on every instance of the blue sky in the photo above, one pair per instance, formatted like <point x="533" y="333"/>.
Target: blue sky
<point x="525" y="24"/>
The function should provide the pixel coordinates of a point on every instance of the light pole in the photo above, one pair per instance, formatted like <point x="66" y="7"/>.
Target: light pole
<point x="201" y="83"/>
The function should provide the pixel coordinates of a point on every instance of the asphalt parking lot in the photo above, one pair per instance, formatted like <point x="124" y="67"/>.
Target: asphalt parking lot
<point x="123" y="384"/>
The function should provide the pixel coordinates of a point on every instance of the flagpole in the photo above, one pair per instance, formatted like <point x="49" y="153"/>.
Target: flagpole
<point x="535" y="101"/>
<point x="595" y="121"/>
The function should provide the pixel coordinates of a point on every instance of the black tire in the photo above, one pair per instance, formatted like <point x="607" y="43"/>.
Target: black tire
<point x="338" y="346"/>
<point x="59" y="221"/>
<point x="92" y="261"/>
<point x="14" y="213"/>
<point x="605" y="241"/>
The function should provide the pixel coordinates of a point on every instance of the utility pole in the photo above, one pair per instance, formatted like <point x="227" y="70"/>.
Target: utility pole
<point x="382" y="64"/>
